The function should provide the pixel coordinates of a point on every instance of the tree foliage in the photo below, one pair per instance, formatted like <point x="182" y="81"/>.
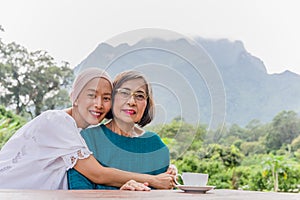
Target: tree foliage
<point x="9" y="124"/>
<point x="237" y="157"/>
<point x="274" y="164"/>
<point x="285" y="127"/>
<point x="29" y="79"/>
<point x="180" y="136"/>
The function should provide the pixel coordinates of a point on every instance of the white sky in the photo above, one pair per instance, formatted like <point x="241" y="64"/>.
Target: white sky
<point x="71" y="29"/>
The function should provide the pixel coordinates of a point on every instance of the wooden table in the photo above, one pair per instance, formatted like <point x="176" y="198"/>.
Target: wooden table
<point x="151" y="195"/>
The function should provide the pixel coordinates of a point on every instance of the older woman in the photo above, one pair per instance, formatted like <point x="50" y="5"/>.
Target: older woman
<point x="122" y="143"/>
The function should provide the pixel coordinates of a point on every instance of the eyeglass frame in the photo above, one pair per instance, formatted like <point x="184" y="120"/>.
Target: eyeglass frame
<point x="132" y="94"/>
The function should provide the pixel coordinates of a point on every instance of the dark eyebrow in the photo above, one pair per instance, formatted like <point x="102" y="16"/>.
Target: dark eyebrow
<point x="142" y="91"/>
<point x="108" y="93"/>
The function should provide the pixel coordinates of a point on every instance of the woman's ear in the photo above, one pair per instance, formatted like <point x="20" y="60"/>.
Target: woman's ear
<point x="75" y="103"/>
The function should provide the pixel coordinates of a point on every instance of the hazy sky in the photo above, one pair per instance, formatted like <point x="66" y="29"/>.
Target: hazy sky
<point x="71" y="29"/>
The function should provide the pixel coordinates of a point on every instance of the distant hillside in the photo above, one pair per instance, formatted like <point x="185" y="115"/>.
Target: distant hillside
<point x="249" y="91"/>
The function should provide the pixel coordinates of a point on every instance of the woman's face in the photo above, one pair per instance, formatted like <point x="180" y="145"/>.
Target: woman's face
<point x="93" y="102"/>
<point x="130" y="101"/>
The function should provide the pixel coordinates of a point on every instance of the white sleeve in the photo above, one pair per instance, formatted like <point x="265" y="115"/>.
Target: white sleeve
<point x="59" y="138"/>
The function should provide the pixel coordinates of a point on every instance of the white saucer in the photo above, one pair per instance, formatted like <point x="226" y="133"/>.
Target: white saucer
<point x="194" y="188"/>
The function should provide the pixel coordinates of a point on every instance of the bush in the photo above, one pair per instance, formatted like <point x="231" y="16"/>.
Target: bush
<point x="9" y="124"/>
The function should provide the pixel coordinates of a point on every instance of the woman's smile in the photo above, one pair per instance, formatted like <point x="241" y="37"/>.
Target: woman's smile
<point x="96" y="114"/>
<point x="129" y="111"/>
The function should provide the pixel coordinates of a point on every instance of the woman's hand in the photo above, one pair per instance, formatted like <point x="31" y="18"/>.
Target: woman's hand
<point x="135" y="186"/>
<point x="163" y="181"/>
<point x="172" y="170"/>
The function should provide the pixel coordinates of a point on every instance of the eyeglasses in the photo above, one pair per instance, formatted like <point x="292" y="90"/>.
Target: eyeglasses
<point x="126" y="94"/>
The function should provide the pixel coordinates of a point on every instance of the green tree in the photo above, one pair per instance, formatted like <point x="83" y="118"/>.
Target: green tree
<point x="285" y="127"/>
<point x="275" y="164"/>
<point x="255" y="130"/>
<point x="230" y="156"/>
<point x="181" y="136"/>
<point x="215" y="136"/>
<point x="9" y="124"/>
<point x="30" y="78"/>
<point x="60" y="100"/>
<point x="250" y="148"/>
<point x="296" y="144"/>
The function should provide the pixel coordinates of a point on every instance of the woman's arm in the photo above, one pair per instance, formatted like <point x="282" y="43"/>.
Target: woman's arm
<point x="95" y="172"/>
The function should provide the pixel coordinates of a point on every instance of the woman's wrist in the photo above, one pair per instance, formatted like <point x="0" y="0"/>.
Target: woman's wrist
<point x="150" y="179"/>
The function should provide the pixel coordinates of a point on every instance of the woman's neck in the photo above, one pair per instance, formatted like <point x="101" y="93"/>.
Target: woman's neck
<point x="124" y="128"/>
<point x="74" y="114"/>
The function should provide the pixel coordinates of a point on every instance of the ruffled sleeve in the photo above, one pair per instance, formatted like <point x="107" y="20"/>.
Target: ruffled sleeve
<point x="71" y="159"/>
<point x="59" y="140"/>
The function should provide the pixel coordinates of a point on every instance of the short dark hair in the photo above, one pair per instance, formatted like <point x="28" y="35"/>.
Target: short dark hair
<point x="132" y="75"/>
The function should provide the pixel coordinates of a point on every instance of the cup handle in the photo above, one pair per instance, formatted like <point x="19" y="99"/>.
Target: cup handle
<point x="175" y="178"/>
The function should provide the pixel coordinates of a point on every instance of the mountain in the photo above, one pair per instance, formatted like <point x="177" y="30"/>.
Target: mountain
<point x="203" y="80"/>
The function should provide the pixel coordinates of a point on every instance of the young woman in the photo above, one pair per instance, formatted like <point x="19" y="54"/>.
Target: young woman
<point x="122" y="143"/>
<point x="39" y="154"/>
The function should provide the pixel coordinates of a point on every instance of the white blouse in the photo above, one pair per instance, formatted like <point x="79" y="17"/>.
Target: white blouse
<point x="38" y="155"/>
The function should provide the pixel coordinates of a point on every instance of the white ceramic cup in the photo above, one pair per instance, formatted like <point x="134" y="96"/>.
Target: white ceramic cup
<point x="190" y="178"/>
